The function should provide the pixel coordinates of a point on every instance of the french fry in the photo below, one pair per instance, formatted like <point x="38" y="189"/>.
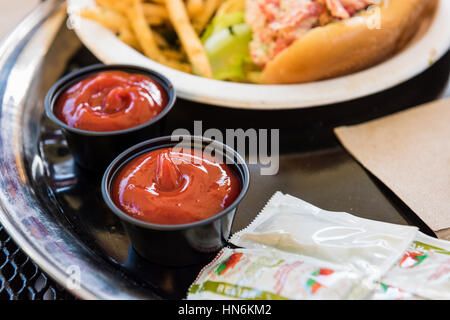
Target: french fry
<point x="128" y="37"/>
<point x="168" y="52"/>
<point x="155" y="20"/>
<point x="202" y="19"/>
<point x="158" y="1"/>
<point x="131" y="20"/>
<point x="115" y="5"/>
<point x="194" y="8"/>
<point x="152" y="10"/>
<point x="115" y="22"/>
<point x="160" y="41"/>
<point x="155" y="14"/>
<point x="106" y="17"/>
<point x="143" y="32"/>
<point x="173" y="54"/>
<point x="188" y="37"/>
<point x="185" y="67"/>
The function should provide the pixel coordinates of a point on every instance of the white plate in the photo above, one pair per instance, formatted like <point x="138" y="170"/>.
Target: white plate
<point x="428" y="46"/>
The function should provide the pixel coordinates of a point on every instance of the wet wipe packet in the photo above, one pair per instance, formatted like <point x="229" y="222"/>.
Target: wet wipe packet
<point x="359" y="251"/>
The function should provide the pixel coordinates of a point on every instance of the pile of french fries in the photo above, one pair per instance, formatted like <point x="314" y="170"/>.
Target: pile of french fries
<point x="136" y="22"/>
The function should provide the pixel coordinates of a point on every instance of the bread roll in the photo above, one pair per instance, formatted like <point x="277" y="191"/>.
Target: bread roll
<point x="348" y="45"/>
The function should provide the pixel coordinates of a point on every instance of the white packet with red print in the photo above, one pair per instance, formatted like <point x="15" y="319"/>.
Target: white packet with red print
<point x="423" y="269"/>
<point x="270" y="274"/>
<point x="292" y="225"/>
<point x="386" y="292"/>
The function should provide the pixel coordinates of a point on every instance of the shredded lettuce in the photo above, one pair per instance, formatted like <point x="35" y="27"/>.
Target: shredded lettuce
<point x="223" y="21"/>
<point x="226" y="41"/>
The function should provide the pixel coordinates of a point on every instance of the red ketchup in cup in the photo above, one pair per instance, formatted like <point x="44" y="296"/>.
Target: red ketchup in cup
<point x="111" y="101"/>
<point x="169" y="187"/>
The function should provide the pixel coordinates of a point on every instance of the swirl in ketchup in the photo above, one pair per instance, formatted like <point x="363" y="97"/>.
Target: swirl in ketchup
<point x="111" y="101"/>
<point x="169" y="187"/>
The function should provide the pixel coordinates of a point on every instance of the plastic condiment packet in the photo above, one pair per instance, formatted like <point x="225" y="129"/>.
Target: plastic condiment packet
<point x="424" y="269"/>
<point x="270" y="274"/>
<point x="386" y="292"/>
<point x="292" y="225"/>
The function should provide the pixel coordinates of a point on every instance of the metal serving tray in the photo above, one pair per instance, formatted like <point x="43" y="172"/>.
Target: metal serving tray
<point x="55" y="212"/>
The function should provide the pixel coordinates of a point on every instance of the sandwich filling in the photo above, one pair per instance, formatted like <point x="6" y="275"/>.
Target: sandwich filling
<point x="276" y="24"/>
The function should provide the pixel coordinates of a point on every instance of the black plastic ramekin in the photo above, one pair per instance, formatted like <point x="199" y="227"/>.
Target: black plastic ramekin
<point x="94" y="150"/>
<point x="185" y="244"/>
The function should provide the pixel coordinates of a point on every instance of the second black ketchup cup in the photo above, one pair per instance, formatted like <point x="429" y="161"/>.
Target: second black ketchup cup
<point x="94" y="150"/>
<point x="180" y="244"/>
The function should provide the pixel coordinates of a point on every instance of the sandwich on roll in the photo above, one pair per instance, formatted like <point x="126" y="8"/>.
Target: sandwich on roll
<point x="297" y="41"/>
